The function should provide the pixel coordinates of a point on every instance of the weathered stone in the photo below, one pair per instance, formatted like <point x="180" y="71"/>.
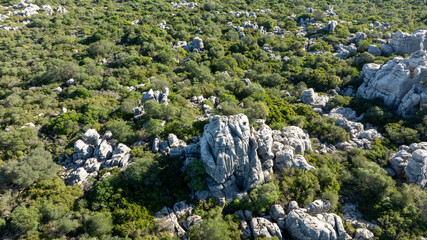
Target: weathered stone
<point x="276" y="212"/>
<point x="166" y="221"/>
<point x="103" y="151"/>
<point x="363" y="234"/>
<point x="318" y="206"/>
<point x="264" y="137"/>
<point x="292" y="205"/>
<point x="83" y="150"/>
<point x="263" y="228"/>
<point x="191" y="221"/>
<point x="404" y="43"/>
<point x="313" y="99"/>
<point x="400" y="83"/>
<point x="228" y="152"/>
<point x="374" y="50"/>
<point x="303" y="226"/>
<point x="416" y="170"/>
<point x="77" y="176"/>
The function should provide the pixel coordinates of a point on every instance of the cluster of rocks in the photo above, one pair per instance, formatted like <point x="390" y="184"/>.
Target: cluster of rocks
<point x="168" y="219"/>
<point x="344" y="51"/>
<point x="309" y="223"/>
<point x="246" y="14"/>
<point x="253" y="25"/>
<point x="411" y="163"/>
<point x="160" y="97"/>
<point x="26" y="9"/>
<point x="318" y="103"/>
<point x="184" y="4"/>
<point x="359" y="136"/>
<point x="93" y="153"/>
<point x="404" y="43"/>
<point x="401" y="83"/>
<point x="345" y="118"/>
<point x="237" y="158"/>
<point x="268" y="49"/>
<point x="353" y="216"/>
<point x="195" y="46"/>
<point x="197" y="101"/>
<point x="380" y="25"/>
<point x="330" y="27"/>
<point x="163" y="26"/>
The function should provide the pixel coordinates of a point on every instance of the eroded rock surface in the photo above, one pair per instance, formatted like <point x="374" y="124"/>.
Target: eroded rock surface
<point x="401" y="83"/>
<point x="93" y="153"/>
<point x="302" y="225"/>
<point x="228" y="152"/>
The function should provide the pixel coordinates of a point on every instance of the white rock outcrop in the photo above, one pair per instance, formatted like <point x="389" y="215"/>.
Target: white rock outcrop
<point x="303" y="225"/>
<point x="411" y="162"/>
<point x="228" y="152"/>
<point x="313" y="99"/>
<point x="93" y="153"/>
<point x="405" y="43"/>
<point x="401" y="83"/>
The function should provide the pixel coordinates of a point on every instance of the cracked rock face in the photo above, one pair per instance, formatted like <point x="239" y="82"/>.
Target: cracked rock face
<point x="263" y="228"/>
<point x="412" y="162"/>
<point x="229" y="154"/>
<point x="416" y="170"/>
<point x="405" y="43"/>
<point x="401" y="83"/>
<point x="303" y="225"/>
<point x="93" y="153"/>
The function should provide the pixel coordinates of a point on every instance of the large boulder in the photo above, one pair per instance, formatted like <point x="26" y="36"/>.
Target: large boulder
<point x="167" y="221"/>
<point x="302" y="225"/>
<point x="91" y="136"/>
<point x="411" y="162"/>
<point x="264" y="137"/>
<point x="83" y="150"/>
<point x="400" y="83"/>
<point x="363" y="234"/>
<point x="156" y="96"/>
<point x="416" y="170"/>
<point x="405" y="43"/>
<point x="313" y="99"/>
<point x="229" y="154"/>
<point x="277" y="212"/>
<point x="195" y="46"/>
<point x="374" y="50"/>
<point x="263" y="228"/>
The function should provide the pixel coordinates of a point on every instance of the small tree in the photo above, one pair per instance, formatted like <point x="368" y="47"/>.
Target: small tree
<point x="263" y="196"/>
<point x="99" y="224"/>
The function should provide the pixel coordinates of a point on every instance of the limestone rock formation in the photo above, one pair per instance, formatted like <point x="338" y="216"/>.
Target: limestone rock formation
<point x="263" y="228"/>
<point x="93" y="153"/>
<point x="228" y="152"/>
<point x="195" y="46"/>
<point x="374" y="50"/>
<point x="411" y="162"/>
<point x="363" y="234"/>
<point x="276" y="212"/>
<point x="401" y="83"/>
<point x="157" y="96"/>
<point x="405" y="43"/>
<point x="313" y="99"/>
<point x="416" y="170"/>
<point x="302" y="225"/>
